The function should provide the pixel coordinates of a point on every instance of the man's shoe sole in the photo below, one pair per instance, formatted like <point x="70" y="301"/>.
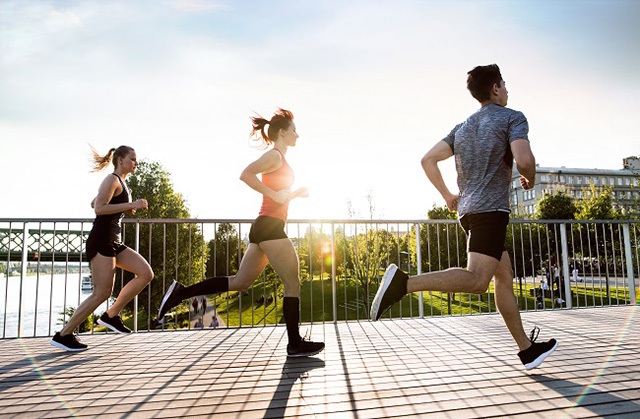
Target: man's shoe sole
<point x="541" y="358"/>
<point x="108" y="326"/>
<point x="166" y="297"/>
<point x="386" y="281"/>
<point x="305" y="354"/>
<point x="61" y="346"/>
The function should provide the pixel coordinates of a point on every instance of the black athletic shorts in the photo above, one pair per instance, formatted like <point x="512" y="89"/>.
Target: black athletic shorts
<point x="109" y="248"/>
<point x="266" y="228"/>
<point x="486" y="232"/>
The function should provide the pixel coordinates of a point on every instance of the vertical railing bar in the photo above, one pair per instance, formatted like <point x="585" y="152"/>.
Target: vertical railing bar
<point x="355" y="264"/>
<point x="135" y="299"/>
<point x="615" y="262"/>
<point x="595" y="227"/>
<point x="53" y="252"/>
<point x="149" y="285"/>
<point x="164" y="262"/>
<point x="575" y="266"/>
<point x="593" y="292"/>
<point x="334" y="288"/>
<point x="35" y="318"/>
<point x="322" y="269"/>
<point x="311" y="229"/>
<point x="629" y="263"/>
<point x="430" y="265"/>
<point x="6" y="290"/>
<point x="622" y="266"/>
<point x="175" y="318"/>
<point x="515" y="258"/>
<point x="23" y="272"/>
<point x="66" y="273"/>
<point x="419" y="270"/>
<point x="540" y="261"/>
<point x="573" y="256"/>
<point x="79" y="272"/>
<point x="524" y="264"/>
<point x="533" y="265"/>
<point x="565" y="265"/>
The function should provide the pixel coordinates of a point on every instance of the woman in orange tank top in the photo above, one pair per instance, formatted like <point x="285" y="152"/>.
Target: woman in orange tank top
<point x="268" y="240"/>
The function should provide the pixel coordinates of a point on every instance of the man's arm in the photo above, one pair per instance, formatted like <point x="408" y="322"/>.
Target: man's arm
<point x="440" y="151"/>
<point x="525" y="162"/>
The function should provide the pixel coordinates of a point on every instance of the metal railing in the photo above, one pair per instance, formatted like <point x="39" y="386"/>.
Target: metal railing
<point x="557" y="265"/>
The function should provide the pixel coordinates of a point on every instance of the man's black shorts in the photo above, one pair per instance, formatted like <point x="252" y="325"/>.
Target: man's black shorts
<point x="266" y="228"/>
<point x="486" y="232"/>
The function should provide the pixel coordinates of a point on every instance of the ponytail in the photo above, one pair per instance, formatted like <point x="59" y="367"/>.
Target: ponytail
<point x="281" y="120"/>
<point x="99" y="162"/>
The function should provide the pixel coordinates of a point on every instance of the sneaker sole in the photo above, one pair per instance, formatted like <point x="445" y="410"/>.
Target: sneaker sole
<point x="108" y="326"/>
<point x="386" y="281"/>
<point x="541" y="358"/>
<point x="166" y="297"/>
<point x="66" y="348"/>
<point x="305" y="354"/>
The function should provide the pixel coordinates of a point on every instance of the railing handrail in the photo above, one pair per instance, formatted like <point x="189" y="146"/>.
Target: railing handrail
<point x="302" y="220"/>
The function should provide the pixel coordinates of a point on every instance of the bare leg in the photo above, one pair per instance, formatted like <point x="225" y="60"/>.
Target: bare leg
<point x="507" y="304"/>
<point x="252" y="264"/>
<point x="475" y="279"/>
<point x="282" y="256"/>
<point x="103" y="269"/>
<point x="131" y="261"/>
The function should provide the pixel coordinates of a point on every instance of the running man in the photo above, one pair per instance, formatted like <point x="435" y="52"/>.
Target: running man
<point x="484" y="147"/>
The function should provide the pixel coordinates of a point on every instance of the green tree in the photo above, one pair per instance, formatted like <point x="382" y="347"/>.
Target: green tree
<point x="223" y="251"/>
<point x="174" y="251"/>
<point x="557" y="206"/>
<point x="598" y="204"/>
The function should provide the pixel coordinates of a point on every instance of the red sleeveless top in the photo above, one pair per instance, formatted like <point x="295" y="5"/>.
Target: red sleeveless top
<point x="278" y="180"/>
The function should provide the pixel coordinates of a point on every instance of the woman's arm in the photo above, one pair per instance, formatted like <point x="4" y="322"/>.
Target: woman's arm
<point x="106" y="192"/>
<point x="267" y="163"/>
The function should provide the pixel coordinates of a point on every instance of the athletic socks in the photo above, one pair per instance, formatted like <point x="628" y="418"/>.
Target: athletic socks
<point x="291" y="309"/>
<point x="207" y="287"/>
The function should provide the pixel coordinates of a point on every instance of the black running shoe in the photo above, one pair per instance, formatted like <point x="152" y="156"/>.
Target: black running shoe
<point x="170" y="299"/>
<point x="68" y="342"/>
<point x="537" y="352"/>
<point x="113" y="323"/>
<point x="304" y="348"/>
<point x="392" y="288"/>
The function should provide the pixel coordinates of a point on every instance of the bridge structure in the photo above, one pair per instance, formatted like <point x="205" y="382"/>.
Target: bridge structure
<point x="30" y="242"/>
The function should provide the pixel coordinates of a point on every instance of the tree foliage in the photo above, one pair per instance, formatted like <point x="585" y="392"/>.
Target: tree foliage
<point x="598" y="204"/>
<point x="557" y="206"/>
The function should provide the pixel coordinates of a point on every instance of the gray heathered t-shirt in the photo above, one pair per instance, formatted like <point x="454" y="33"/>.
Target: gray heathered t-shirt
<point x="481" y="146"/>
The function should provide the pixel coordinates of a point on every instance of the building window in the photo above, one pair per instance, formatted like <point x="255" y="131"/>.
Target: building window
<point x="570" y="180"/>
<point x="619" y="181"/>
<point x="578" y="180"/>
<point x="627" y="181"/>
<point x="561" y="179"/>
<point x="612" y="181"/>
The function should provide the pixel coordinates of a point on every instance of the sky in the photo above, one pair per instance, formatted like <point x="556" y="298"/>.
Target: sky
<point x="373" y="85"/>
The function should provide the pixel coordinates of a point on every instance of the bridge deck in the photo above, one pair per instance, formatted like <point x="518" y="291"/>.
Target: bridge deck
<point x="441" y="367"/>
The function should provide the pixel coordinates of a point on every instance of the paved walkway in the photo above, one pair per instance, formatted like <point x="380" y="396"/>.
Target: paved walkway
<point x="437" y="367"/>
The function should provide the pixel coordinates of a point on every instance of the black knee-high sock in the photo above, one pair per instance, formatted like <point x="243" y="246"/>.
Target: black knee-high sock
<point x="206" y="287"/>
<point x="291" y="308"/>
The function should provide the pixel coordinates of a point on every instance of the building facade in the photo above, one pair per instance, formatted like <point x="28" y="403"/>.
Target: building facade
<point x="575" y="182"/>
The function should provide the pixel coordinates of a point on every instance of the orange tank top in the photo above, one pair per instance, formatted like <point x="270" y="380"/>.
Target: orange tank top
<point x="278" y="180"/>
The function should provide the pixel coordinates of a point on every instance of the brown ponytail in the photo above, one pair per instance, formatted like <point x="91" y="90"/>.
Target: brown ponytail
<point x="101" y="162"/>
<point x="281" y="120"/>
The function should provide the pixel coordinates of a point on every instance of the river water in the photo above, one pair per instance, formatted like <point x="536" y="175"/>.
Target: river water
<point x="37" y="297"/>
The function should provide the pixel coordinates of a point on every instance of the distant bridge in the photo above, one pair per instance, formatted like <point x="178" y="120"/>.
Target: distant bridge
<point x="44" y="245"/>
